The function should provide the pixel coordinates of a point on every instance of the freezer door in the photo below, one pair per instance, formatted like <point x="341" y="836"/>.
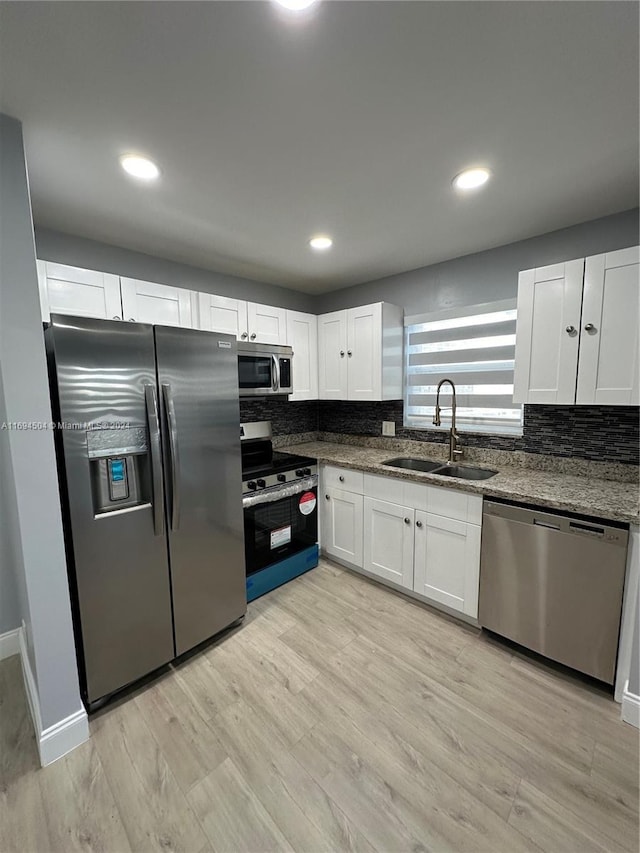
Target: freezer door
<point x="198" y="386"/>
<point x="103" y="376"/>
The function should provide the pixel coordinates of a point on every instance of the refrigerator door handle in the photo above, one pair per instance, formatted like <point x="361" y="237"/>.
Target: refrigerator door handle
<point x="174" y="458"/>
<point x="155" y="457"/>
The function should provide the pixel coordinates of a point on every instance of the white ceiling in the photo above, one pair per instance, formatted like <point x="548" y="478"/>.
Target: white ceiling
<point x="352" y="121"/>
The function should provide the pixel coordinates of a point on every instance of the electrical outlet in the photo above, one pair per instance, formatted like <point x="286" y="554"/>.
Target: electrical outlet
<point x="388" y="427"/>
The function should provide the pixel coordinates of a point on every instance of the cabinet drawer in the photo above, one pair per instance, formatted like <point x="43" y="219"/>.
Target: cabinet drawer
<point x="453" y="504"/>
<point x="342" y="478"/>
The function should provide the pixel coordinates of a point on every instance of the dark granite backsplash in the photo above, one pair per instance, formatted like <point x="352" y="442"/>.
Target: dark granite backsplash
<point x="598" y="433"/>
<point x="287" y="418"/>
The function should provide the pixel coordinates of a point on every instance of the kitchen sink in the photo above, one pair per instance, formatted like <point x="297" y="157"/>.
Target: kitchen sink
<point x="446" y="469"/>
<point x="413" y="464"/>
<point x="464" y="472"/>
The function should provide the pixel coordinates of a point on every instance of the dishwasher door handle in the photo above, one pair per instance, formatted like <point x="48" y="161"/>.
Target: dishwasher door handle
<point x="547" y="524"/>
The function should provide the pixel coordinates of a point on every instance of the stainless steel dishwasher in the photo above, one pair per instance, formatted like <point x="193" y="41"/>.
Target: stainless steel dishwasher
<point x="553" y="583"/>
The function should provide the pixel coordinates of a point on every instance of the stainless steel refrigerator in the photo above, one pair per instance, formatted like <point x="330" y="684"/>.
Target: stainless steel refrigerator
<point x="150" y="474"/>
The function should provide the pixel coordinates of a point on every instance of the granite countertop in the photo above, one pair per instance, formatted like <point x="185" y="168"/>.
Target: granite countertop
<point x="607" y="499"/>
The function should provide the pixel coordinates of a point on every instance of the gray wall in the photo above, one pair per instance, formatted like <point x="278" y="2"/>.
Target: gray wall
<point x="10" y="555"/>
<point x="90" y="254"/>
<point x="487" y="276"/>
<point x="35" y="530"/>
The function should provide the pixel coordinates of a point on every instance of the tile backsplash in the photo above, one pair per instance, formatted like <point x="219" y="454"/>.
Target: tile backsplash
<point x="596" y="433"/>
<point x="287" y="418"/>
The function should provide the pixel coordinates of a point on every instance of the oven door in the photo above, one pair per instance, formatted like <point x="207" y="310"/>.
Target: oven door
<point x="280" y="522"/>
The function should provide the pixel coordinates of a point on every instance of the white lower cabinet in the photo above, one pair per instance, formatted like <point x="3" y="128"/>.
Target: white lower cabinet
<point x="342" y="526"/>
<point x="388" y="541"/>
<point x="422" y="538"/>
<point x="447" y="562"/>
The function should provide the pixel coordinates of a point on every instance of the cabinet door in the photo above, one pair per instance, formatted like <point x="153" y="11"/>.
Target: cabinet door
<point x="388" y="541"/>
<point x="302" y="336"/>
<point x="147" y="302"/>
<point x="547" y="333"/>
<point x="267" y="325"/>
<point x="342" y="525"/>
<point x="364" y="347"/>
<point x="447" y="562"/>
<point x="332" y="356"/>
<point x="82" y="293"/>
<point x="222" y="314"/>
<point x="608" y="365"/>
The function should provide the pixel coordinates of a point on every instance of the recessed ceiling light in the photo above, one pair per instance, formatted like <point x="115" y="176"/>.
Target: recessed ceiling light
<point x="471" y="179"/>
<point x="295" y="5"/>
<point x="321" y="242"/>
<point x="139" y="167"/>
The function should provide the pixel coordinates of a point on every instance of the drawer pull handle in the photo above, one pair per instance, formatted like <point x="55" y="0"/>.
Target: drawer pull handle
<point x="341" y="478"/>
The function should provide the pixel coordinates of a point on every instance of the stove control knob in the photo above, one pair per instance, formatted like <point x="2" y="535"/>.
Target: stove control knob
<point x="307" y="472"/>
<point x="252" y="485"/>
<point x="261" y="484"/>
<point x="282" y="478"/>
<point x="300" y="472"/>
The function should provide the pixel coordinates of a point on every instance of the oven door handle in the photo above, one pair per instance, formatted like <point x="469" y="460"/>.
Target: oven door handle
<point x="280" y="493"/>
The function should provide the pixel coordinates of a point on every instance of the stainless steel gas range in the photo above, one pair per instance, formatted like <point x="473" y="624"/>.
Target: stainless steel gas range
<point x="279" y="498"/>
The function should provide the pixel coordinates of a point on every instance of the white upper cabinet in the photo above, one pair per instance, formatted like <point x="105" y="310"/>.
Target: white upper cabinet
<point x="267" y="325"/>
<point x="608" y="364"/>
<point x="222" y="314"/>
<point x="332" y="356"/>
<point x="547" y="333"/>
<point x="360" y="353"/>
<point x="577" y="332"/>
<point x="79" y="292"/>
<point x="302" y="337"/>
<point x="147" y="302"/>
<point x="248" y="321"/>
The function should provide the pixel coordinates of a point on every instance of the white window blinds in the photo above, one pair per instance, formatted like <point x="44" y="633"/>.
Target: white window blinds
<point x="475" y="348"/>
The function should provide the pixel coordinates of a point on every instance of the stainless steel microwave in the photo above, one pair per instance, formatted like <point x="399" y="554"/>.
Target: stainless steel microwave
<point x="264" y="369"/>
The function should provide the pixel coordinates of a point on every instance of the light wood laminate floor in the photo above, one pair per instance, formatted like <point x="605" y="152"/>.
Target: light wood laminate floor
<point x="341" y="716"/>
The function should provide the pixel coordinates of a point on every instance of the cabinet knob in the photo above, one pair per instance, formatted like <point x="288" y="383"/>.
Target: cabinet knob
<point x="571" y="330"/>
<point x="341" y="478"/>
<point x="326" y="497"/>
<point x="589" y="327"/>
<point x="418" y="524"/>
<point x="349" y="353"/>
<point x="341" y="353"/>
<point x="407" y="521"/>
<point x="244" y="335"/>
<point x="253" y="336"/>
<point x="115" y="317"/>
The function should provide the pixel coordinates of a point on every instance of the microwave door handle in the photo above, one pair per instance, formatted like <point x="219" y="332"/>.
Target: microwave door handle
<point x="155" y="457"/>
<point x="275" y="385"/>
<point x="174" y="457"/>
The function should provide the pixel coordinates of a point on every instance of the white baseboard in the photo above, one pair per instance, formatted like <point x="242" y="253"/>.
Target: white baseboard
<point x="630" y="707"/>
<point x="63" y="736"/>
<point x="10" y="644"/>
<point x="60" y="738"/>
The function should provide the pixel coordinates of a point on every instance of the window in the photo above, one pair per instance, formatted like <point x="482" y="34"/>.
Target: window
<point x="475" y="348"/>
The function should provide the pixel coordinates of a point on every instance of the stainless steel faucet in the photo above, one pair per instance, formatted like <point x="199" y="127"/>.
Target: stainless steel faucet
<point x="454" y="438"/>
